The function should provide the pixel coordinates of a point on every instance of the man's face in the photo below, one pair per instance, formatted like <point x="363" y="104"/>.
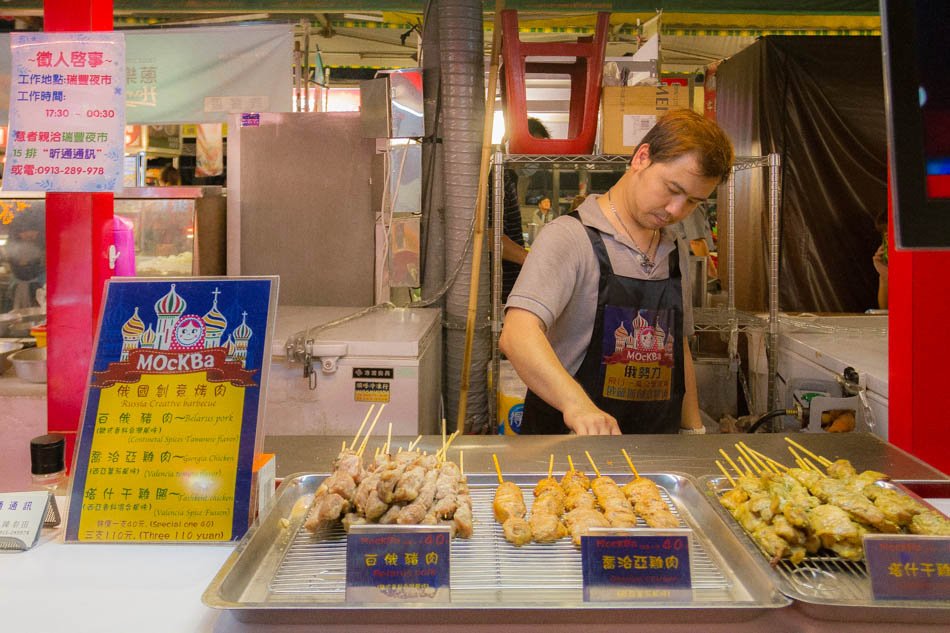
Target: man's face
<point x="665" y="193"/>
<point x="544" y="205"/>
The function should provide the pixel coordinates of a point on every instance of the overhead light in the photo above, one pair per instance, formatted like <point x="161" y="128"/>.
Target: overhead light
<point x="363" y="17"/>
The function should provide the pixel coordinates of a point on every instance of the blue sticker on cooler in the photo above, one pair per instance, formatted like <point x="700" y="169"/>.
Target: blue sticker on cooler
<point x="636" y="564"/>
<point x="250" y="119"/>
<point x="908" y="567"/>
<point x="389" y="563"/>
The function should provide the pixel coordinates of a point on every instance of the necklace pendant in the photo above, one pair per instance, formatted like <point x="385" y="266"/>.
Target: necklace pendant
<point x="646" y="264"/>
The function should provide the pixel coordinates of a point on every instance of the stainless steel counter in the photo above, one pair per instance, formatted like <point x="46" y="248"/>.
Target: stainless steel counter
<point x="693" y="455"/>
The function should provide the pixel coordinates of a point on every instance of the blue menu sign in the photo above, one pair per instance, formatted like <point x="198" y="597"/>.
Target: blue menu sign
<point x="391" y="563"/>
<point x="908" y="567"/>
<point x="637" y="564"/>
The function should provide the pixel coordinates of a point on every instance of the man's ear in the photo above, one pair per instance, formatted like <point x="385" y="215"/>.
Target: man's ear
<point x="641" y="157"/>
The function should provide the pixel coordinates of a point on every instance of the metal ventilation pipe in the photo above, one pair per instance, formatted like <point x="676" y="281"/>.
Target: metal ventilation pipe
<point x="461" y="47"/>
<point x="433" y="217"/>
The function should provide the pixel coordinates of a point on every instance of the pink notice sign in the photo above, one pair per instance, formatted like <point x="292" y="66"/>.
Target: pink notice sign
<point x="67" y="112"/>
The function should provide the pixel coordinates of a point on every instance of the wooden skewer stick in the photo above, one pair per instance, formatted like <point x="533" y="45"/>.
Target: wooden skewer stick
<point x="630" y="463"/>
<point x="774" y="465"/>
<point x="360" y="430"/>
<point x="370" y="430"/>
<point x="550" y="465"/>
<point x="745" y="466"/>
<point x="570" y="463"/>
<point x="389" y="436"/>
<point x="821" y="460"/>
<point x="749" y="460"/>
<point x="592" y="464"/>
<point x="813" y="467"/>
<point x="462" y="463"/>
<point x="344" y="446"/>
<point x="726" y="473"/>
<point x="413" y="443"/>
<point x="443" y="434"/>
<point x="798" y="458"/>
<point x="730" y="462"/>
<point x="753" y="455"/>
<point x="494" y="458"/>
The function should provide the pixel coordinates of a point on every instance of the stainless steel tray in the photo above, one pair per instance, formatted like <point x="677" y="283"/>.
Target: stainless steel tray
<point x="286" y="574"/>
<point x="829" y="587"/>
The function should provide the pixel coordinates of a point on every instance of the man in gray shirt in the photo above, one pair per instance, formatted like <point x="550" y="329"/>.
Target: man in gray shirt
<point x="595" y="323"/>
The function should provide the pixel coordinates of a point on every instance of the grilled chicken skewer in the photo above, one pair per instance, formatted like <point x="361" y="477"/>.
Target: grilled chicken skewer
<point x="509" y="509"/>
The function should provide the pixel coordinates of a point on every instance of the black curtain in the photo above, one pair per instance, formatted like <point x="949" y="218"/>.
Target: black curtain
<point x="819" y="103"/>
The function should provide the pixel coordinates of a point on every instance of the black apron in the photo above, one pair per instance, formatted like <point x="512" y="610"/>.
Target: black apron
<point x="633" y="368"/>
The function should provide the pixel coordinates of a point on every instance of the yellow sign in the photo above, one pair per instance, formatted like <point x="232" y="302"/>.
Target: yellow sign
<point x="163" y="461"/>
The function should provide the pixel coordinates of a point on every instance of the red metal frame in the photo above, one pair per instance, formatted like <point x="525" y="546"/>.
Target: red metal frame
<point x="77" y="240"/>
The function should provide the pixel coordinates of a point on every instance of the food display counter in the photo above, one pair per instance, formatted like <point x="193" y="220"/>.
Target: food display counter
<point x="165" y="582"/>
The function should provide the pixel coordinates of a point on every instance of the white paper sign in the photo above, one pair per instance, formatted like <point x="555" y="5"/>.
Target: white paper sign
<point x="635" y="127"/>
<point x="21" y="517"/>
<point x="67" y="112"/>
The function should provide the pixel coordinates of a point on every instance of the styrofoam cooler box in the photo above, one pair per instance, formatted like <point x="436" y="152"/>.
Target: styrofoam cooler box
<point x="387" y="356"/>
<point x="811" y="348"/>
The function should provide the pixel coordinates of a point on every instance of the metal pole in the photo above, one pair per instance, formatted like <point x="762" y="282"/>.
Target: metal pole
<point x="775" y="165"/>
<point x="498" y="219"/>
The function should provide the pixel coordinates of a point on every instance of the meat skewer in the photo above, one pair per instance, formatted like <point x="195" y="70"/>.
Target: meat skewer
<point x="546" y="511"/>
<point x="509" y="510"/>
<point x="644" y="495"/>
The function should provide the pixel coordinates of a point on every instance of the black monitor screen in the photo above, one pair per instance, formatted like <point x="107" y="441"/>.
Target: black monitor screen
<point x="933" y="60"/>
<point x="916" y="45"/>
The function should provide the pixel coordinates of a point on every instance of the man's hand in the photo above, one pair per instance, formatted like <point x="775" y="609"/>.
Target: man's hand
<point x="591" y="421"/>
<point x="878" y="261"/>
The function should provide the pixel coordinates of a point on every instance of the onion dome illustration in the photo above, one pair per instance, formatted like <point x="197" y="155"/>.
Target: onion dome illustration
<point x="170" y="305"/>
<point x="242" y="332"/>
<point x="148" y="338"/>
<point x="134" y="327"/>
<point x="131" y="334"/>
<point x="621" y="332"/>
<point x="215" y="323"/>
<point x="229" y="347"/>
<point x="639" y="323"/>
<point x="660" y="336"/>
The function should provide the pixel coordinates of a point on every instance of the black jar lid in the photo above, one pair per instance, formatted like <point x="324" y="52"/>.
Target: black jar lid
<point x="47" y="454"/>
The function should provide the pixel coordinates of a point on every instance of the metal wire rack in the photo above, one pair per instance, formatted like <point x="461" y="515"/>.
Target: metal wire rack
<point x="485" y="568"/>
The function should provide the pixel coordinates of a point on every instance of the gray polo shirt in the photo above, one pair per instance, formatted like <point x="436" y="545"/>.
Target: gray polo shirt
<point x="560" y="278"/>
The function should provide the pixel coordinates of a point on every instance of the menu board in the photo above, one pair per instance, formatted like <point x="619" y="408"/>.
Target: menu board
<point x="67" y="112"/>
<point x="169" y="427"/>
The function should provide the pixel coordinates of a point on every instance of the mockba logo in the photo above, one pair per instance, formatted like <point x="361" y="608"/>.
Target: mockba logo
<point x="156" y="361"/>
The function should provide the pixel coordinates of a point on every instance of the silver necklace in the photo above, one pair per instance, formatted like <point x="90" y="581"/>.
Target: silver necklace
<point x="646" y="262"/>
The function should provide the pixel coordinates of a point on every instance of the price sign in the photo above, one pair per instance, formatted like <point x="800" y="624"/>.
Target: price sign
<point x="908" y="567"/>
<point x="637" y="564"/>
<point x="169" y="427"/>
<point x="67" y="112"/>
<point x="390" y="563"/>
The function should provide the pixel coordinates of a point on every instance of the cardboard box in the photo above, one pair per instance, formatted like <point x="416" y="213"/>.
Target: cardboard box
<point x="628" y="113"/>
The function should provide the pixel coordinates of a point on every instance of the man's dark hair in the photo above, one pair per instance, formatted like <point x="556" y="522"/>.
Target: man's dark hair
<point x="537" y="129"/>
